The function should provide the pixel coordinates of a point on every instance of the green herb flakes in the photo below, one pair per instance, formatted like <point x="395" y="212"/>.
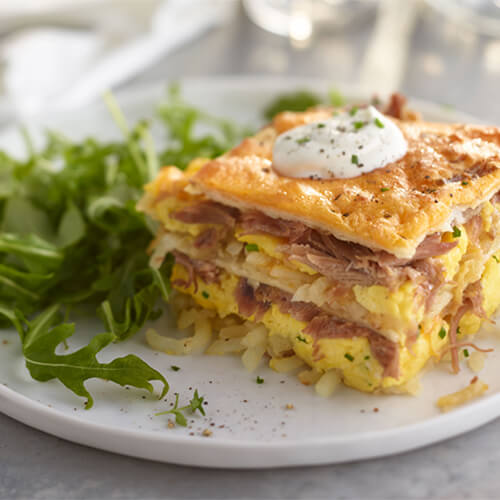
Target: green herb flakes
<point x="378" y="123"/>
<point x="358" y="125"/>
<point x="251" y="247"/>
<point x="348" y="356"/>
<point x="442" y="333"/>
<point x="259" y="380"/>
<point x="385" y="189"/>
<point x="353" y="110"/>
<point x="466" y="353"/>
<point x="175" y="368"/>
<point x="303" y="140"/>
<point x="205" y="294"/>
<point x="354" y="159"/>
<point x="301" y="339"/>
<point x="456" y="232"/>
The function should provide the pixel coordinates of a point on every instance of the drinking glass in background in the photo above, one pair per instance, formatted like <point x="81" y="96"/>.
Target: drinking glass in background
<point x="479" y="15"/>
<point x="298" y="19"/>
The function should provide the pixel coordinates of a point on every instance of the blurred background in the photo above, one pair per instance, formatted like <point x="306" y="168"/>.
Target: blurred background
<point x="62" y="54"/>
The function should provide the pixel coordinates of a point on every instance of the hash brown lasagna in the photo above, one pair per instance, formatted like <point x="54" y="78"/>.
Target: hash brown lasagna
<point x="367" y="277"/>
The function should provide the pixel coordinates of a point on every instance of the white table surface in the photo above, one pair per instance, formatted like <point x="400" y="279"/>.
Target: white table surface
<point x="447" y="65"/>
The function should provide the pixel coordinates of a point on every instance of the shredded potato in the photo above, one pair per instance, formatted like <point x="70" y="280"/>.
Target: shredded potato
<point x="256" y="343"/>
<point x="226" y="346"/>
<point x="309" y="377"/>
<point x="165" y="344"/>
<point x="327" y="384"/>
<point x="286" y="365"/>
<point x="476" y="361"/>
<point x="474" y="390"/>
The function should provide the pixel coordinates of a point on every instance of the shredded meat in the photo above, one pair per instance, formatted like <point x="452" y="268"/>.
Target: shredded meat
<point x="345" y="262"/>
<point x="301" y="311"/>
<point x="207" y="212"/>
<point x="395" y="105"/>
<point x="474" y="295"/>
<point x="473" y="227"/>
<point x="472" y="301"/>
<point x="432" y="246"/>
<point x="247" y="302"/>
<point x="386" y="352"/>
<point x="256" y="222"/>
<point x="207" y="239"/>
<point x="206" y="271"/>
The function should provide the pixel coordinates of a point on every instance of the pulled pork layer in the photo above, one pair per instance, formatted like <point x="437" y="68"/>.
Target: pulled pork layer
<point x="342" y="261"/>
<point x="320" y="325"/>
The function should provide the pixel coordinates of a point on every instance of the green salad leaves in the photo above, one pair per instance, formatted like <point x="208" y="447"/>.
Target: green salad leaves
<point x="72" y="242"/>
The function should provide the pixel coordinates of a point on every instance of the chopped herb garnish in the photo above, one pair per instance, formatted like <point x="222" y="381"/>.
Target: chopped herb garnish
<point x="353" y="111"/>
<point x="456" y="232"/>
<point x="458" y="330"/>
<point x="496" y="259"/>
<point x="384" y="189"/>
<point x="205" y="294"/>
<point x="464" y="183"/>
<point x="466" y="353"/>
<point x="367" y="357"/>
<point x="301" y="339"/>
<point x="348" y="356"/>
<point x="358" y="125"/>
<point x="194" y="404"/>
<point x="251" y="247"/>
<point x="354" y="159"/>
<point x="320" y="125"/>
<point x="175" y="368"/>
<point x="303" y="140"/>
<point x="442" y="333"/>
<point x="378" y="123"/>
<point x="259" y="380"/>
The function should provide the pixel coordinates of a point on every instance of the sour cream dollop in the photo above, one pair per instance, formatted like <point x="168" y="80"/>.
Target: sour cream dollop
<point x="348" y="144"/>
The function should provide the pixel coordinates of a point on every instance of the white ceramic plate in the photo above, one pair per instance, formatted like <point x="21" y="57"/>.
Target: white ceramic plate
<point x="250" y="423"/>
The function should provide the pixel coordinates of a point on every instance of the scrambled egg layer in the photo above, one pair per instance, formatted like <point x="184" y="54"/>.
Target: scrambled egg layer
<point x="351" y="356"/>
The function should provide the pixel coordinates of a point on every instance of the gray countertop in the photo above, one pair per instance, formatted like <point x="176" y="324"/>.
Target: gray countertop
<point x="446" y="64"/>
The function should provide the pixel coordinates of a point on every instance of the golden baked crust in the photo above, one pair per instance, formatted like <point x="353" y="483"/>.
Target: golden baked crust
<point x="392" y="208"/>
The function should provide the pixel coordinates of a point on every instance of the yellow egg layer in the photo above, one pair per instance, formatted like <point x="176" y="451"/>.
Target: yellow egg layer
<point x="351" y="356"/>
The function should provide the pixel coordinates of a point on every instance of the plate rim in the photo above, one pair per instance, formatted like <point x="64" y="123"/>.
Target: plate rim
<point x="200" y="451"/>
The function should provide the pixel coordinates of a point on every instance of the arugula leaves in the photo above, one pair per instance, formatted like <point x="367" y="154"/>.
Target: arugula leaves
<point x="71" y="240"/>
<point x="40" y="338"/>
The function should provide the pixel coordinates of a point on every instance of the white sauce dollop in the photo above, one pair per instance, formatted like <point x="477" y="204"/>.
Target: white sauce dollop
<point x="348" y="144"/>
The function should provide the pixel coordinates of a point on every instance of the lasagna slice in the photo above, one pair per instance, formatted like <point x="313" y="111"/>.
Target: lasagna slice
<point x="369" y="276"/>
